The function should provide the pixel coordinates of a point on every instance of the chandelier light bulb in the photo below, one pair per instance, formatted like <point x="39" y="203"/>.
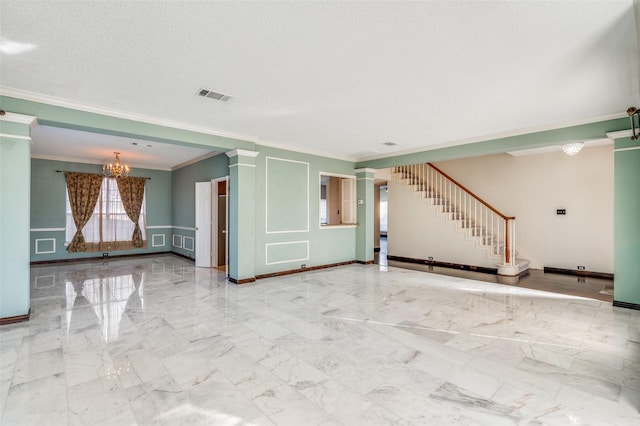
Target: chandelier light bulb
<point x="116" y="170"/>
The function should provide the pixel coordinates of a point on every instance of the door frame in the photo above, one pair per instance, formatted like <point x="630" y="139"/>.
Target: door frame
<point x="203" y="224"/>
<point x="214" y="222"/>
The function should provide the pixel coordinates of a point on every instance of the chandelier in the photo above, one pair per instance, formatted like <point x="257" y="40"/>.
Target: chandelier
<point x="572" y="148"/>
<point x="115" y="170"/>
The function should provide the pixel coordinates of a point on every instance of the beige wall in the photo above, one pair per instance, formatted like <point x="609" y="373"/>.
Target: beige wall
<point x="533" y="187"/>
<point x="418" y="231"/>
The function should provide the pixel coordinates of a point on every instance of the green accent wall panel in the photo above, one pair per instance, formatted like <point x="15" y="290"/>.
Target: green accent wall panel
<point x="183" y="242"/>
<point x="287" y="252"/>
<point x="15" y="180"/>
<point x="326" y="246"/>
<point x="287" y="195"/>
<point x="627" y="223"/>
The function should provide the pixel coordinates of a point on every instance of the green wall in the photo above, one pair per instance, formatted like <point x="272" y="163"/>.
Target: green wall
<point x="627" y="222"/>
<point x="286" y="210"/>
<point x="15" y="155"/>
<point x="183" y="206"/>
<point x="280" y="243"/>
<point x="48" y="217"/>
<point x="287" y="199"/>
<point x="184" y="186"/>
<point x="365" y="230"/>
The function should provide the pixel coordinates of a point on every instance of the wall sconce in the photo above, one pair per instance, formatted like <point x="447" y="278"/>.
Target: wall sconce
<point x="634" y="115"/>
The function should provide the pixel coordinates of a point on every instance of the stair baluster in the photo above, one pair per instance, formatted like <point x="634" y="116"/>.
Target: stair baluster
<point x="492" y="228"/>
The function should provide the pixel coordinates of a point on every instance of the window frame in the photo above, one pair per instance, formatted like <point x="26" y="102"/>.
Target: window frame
<point x="353" y="202"/>
<point x="107" y="186"/>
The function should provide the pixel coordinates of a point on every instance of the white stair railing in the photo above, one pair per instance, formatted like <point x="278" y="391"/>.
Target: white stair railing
<point x="491" y="227"/>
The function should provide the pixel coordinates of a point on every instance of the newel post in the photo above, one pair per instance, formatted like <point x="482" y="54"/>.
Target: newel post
<point x="507" y="243"/>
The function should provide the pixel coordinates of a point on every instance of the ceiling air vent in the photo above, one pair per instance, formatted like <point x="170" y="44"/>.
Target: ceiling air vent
<point x="213" y="95"/>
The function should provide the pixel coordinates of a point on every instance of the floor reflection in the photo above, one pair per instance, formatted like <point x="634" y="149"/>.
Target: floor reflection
<point x="155" y="340"/>
<point x="108" y="292"/>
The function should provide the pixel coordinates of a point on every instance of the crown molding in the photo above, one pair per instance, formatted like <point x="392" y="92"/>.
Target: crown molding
<point x="51" y="100"/>
<point x="65" y="103"/>
<point x="242" y="153"/>
<point x="501" y="135"/>
<point x="79" y="106"/>
<point x="620" y="135"/>
<point x="303" y="150"/>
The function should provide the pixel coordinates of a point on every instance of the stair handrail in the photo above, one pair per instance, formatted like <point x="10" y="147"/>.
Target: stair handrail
<point x="509" y="253"/>
<point x="489" y="206"/>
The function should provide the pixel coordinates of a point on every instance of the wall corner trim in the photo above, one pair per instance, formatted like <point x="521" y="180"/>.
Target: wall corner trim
<point x="619" y="135"/>
<point x="20" y="118"/>
<point x="365" y="170"/>
<point x="242" y="153"/>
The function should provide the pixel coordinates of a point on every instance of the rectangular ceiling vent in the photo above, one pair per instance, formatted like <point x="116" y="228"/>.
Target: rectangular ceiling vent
<point x="213" y="95"/>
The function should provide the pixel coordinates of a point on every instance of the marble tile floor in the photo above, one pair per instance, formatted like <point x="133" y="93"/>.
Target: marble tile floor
<point x="589" y="287"/>
<point x="156" y="341"/>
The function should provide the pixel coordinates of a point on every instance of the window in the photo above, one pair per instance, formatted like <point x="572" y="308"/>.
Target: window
<point x="337" y="200"/>
<point x="109" y="228"/>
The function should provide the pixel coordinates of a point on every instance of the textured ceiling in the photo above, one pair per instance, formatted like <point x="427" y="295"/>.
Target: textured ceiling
<point x="336" y="78"/>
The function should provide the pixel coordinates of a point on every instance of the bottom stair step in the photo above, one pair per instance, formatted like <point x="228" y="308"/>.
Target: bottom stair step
<point x="520" y="266"/>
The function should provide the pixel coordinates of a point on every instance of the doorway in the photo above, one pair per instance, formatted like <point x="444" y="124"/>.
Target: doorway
<point x="380" y="222"/>
<point x="212" y="223"/>
<point x="221" y="200"/>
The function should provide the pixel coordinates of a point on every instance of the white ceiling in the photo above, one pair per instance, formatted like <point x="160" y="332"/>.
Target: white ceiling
<point x="336" y="78"/>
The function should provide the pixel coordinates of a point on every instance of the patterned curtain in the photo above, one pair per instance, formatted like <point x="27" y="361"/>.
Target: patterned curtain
<point x="131" y="191"/>
<point x="84" y="190"/>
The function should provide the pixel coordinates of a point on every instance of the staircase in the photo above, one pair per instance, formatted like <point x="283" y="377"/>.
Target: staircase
<point x="491" y="229"/>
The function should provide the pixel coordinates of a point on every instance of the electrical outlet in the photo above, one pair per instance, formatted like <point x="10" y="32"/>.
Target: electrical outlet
<point x="561" y="211"/>
<point x="304" y="265"/>
<point x="430" y="258"/>
<point x="581" y="268"/>
<point x="105" y="254"/>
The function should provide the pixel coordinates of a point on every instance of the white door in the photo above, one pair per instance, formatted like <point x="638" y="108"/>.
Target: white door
<point x="203" y="224"/>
